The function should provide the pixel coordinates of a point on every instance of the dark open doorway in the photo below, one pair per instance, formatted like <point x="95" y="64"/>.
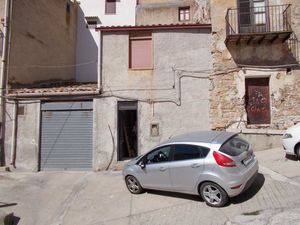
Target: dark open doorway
<point x="127" y="130"/>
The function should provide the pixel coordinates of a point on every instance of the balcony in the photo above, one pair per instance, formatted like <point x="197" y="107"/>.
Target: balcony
<point x="258" y="24"/>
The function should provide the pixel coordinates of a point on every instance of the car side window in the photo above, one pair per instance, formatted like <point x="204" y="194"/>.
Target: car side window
<point x="161" y="154"/>
<point x="186" y="152"/>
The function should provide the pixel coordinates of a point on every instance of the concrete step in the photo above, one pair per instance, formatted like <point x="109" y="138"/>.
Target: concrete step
<point x="4" y="169"/>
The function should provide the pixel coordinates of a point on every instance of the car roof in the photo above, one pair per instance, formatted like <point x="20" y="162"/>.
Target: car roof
<point x="212" y="137"/>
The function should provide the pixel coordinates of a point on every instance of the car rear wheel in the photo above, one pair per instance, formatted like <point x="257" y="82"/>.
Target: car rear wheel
<point x="297" y="151"/>
<point x="133" y="185"/>
<point x="213" y="194"/>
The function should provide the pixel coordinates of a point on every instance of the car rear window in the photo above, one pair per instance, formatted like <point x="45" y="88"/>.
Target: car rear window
<point x="234" y="146"/>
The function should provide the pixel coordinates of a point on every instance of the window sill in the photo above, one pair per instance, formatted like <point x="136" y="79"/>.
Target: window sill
<point x="131" y="69"/>
<point x="110" y="14"/>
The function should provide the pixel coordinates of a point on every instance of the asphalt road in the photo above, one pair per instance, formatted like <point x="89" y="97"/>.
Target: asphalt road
<point x="75" y="198"/>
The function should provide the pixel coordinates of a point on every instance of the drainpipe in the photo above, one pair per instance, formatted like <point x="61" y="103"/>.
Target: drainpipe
<point x="3" y="75"/>
<point x="14" y="136"/>
<point x="100" y="63"/>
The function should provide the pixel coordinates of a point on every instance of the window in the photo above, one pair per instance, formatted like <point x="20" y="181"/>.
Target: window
<point x="68" y="7"/>
<point x="185" y="152"/>
<point x="92" y="20"/>
<point x="140" y="50"/>
<point x="252" y="15"/>
<point x="184" y="13"/>
<point x="110" y="7"/>
<point x="234" y="146"/>
<point x="257" y="100"/>
<point x="159" y="155"/>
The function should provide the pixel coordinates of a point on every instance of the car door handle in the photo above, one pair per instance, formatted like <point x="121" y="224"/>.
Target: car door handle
<point x="196" y="165"/>
<point x="162" y="169"/>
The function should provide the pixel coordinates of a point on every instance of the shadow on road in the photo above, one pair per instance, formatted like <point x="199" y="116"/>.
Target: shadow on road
<point x="245" y="196"/>
<point x="291" y="157"/>
<point x="15" y="220"/>
<point x="4" y="204"/>
<point x="176" y="195"/>
<point x="251" y="192"/>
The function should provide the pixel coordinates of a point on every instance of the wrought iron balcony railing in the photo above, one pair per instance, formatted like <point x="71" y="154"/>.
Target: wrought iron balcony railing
<point x="253" y="20"/>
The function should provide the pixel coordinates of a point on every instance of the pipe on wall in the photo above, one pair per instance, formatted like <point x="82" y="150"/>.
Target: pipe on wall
<point x="3" y="74"/>
<point x="14" y="135"/>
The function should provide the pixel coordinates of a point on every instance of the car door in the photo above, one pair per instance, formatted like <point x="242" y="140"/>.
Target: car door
<point x="155" y="174"/>
<point x="187" y="166"/>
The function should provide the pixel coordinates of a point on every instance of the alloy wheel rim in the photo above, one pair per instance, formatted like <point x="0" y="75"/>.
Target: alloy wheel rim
<point x="212" y="194"/>
<point x="132" y="185"/>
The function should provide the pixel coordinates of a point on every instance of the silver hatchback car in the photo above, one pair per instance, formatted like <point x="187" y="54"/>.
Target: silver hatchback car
<point x="216" y="165"/>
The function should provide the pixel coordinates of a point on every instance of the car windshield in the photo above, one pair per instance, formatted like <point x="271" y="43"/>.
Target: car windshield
<point x="234" y="146"/>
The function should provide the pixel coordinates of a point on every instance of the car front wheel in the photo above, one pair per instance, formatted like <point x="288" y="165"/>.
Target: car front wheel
<point x="213" y="194"/>
<point x="133" y="185"/>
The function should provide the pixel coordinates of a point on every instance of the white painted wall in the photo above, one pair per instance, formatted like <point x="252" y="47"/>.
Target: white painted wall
<point x="88" y="40"/>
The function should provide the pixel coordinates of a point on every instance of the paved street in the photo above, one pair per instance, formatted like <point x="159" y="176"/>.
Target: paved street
<point x="70" y="198"/>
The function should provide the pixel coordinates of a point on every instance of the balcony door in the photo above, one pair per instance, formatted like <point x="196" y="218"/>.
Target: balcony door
<point x="252" y="16"/>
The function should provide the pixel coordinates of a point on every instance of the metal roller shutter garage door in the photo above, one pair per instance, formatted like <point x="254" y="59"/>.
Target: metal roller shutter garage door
<point x="66" y="136"/>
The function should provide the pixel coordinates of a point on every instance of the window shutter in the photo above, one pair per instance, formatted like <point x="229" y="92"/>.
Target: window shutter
<point x="141" y="52"/>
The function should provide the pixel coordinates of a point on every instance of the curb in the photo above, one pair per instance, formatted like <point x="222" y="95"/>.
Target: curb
<point x="4" y="169"/>
<point x="277" y="176"/>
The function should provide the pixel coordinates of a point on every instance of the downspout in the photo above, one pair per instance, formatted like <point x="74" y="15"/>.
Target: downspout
<point x="3" y="75"/>
<point x="100" y="63"/>
<point x="14" y="135"/>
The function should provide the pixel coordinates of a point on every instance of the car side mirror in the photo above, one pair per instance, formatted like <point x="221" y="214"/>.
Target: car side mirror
<point x="142" y="163"/>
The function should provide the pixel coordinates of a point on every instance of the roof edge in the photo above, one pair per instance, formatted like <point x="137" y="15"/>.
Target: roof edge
<point x="154" y="27"/>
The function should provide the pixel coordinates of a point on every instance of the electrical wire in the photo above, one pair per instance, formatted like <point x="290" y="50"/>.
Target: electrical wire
<point x="54" y="66"/>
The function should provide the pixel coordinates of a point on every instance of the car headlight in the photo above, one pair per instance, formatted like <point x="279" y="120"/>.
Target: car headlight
<point x="287" y="135"/>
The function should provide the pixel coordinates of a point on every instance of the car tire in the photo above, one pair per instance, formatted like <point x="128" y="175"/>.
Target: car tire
<point x="133" y="185"/>
<point x="213" y="194"/>
<point x="297" y="151"/>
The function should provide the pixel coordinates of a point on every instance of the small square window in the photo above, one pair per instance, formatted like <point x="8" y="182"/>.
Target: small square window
<point x="110" y="7"/>
<point x="184" y="13"/>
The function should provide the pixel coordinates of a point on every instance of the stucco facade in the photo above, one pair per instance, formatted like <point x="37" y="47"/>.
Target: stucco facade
<point x="174" y="94"/>
<point x="88" y="40"/>
<point x="233" y="63"/>
<point x="42" y="41"/>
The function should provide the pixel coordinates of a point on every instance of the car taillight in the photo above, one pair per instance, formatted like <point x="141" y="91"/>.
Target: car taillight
<point x="223" y="160"/>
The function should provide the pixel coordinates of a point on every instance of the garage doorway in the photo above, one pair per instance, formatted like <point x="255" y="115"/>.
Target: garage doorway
<point x="66" y="136"/>
<point x="127" y="130"/>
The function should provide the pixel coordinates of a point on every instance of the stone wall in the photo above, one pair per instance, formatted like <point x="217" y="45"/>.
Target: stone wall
<point x="228" y="82"/>
<point x="166" y="11"/>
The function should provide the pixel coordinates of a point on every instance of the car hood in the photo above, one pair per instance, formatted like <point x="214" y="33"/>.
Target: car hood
<point x="134" y="161"/>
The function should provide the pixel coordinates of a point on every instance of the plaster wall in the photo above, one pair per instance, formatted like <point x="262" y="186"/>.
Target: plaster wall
<point x="88" y="40"/>
<point x="166" y="11"/>
<point x="43" y="36"/>
<point x="158" y="96"/>
<point x="28" y="131"/>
